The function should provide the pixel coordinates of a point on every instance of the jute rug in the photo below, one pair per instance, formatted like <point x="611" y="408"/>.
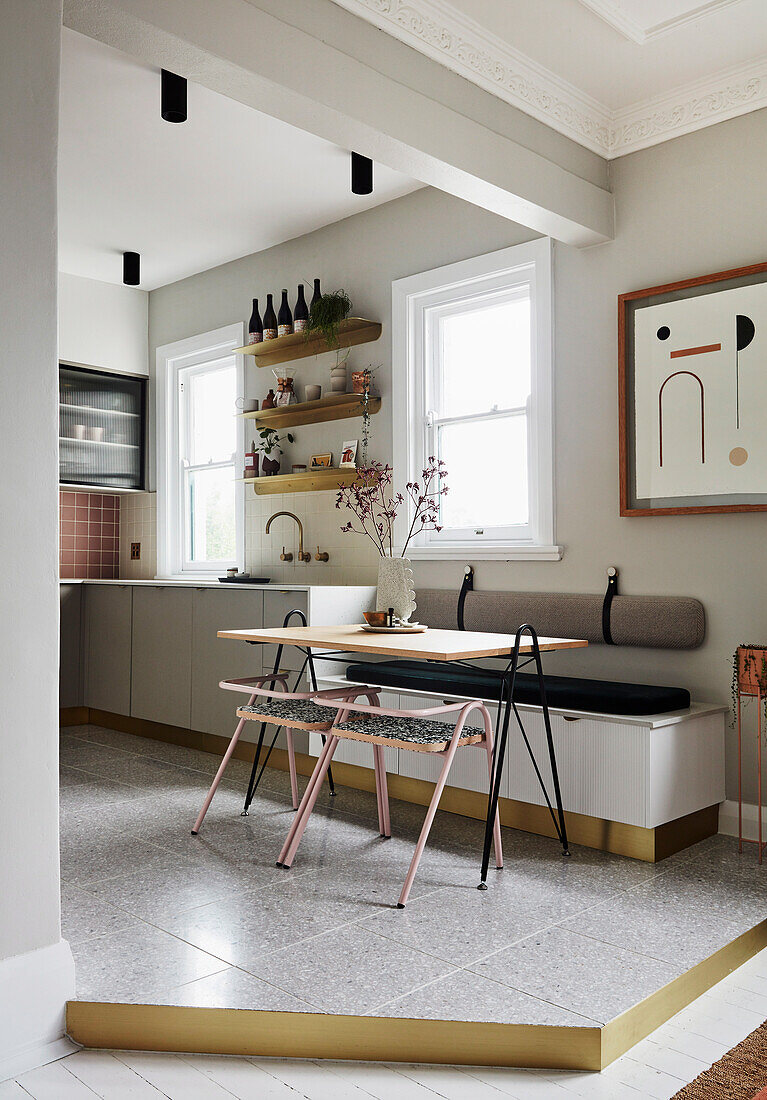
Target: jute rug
<point x="740" y="1075"/>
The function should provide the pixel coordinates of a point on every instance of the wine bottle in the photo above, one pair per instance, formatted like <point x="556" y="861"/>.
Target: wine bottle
<point x="301" y="316"/>
<point x="316" y="296"/>
<point x="255" y="328"/>
<point x="284" y="317"/>
<point x="270" y="320"/>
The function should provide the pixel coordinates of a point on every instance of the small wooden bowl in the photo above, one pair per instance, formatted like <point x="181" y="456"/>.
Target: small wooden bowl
<point x="375" y="618"/>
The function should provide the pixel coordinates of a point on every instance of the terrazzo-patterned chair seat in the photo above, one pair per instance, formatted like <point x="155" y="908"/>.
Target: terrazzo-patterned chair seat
<point x="418" y="734"/>
<point x="417" y="731"/>
<point x="294" y="713"/>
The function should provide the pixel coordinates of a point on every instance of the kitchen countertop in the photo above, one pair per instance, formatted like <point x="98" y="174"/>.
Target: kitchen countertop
<point x="161" y="583"/>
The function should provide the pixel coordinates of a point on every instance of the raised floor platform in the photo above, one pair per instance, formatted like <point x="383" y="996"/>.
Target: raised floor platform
<point x="560" y="963"/>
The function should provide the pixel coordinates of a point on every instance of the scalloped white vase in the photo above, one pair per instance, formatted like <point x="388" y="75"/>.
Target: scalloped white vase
<point x="395" y="587"/>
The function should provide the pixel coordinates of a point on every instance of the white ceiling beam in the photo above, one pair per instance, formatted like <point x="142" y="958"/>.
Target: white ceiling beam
<point x="240" y="50"/>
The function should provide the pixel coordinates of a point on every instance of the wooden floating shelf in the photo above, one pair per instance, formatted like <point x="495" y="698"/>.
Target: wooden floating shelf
<point x="354" y="330"/>
<point x="313" y="481"/>
<point x="339" y="406"/>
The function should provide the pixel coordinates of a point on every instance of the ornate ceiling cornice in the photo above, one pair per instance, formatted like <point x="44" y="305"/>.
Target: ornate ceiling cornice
<point x="447" y="36"/>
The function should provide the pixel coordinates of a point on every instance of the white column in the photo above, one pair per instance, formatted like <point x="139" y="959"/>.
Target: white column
<point x="36" y="970"/>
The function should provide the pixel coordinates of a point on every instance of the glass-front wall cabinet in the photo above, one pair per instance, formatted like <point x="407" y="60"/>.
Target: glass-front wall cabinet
<point x="101" y="429"/>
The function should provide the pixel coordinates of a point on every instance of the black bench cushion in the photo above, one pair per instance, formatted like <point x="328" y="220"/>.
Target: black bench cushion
<point x="564" y="692"/>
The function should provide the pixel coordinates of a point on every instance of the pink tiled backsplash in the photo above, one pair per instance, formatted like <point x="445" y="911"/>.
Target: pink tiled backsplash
<point x="89" y="535"/>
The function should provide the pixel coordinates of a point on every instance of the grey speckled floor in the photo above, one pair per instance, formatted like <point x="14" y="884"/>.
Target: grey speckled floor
<point x="156" y="915"/>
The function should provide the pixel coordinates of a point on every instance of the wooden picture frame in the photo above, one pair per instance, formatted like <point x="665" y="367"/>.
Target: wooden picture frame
<point x="669" y="294"/>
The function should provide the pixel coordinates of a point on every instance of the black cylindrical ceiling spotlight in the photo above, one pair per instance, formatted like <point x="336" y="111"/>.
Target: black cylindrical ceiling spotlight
<point x="131" y="268"/>
<point x="173" y="97"/>
<point x="362" y="174"/>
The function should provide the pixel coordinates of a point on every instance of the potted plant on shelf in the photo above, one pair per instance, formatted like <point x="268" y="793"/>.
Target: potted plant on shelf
<point x="325" y="317"/>
<point x="268" y="445"/>
<point x="749" y="674"/>
<point x="376" y="507"/>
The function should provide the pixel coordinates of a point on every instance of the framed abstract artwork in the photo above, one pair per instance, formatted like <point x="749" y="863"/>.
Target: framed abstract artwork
<point x="692" y="391"/>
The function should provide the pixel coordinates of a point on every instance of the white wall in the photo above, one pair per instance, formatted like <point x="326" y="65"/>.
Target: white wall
<point x="691" y="206"/>
<point x="103" y="325"/>
<point x="36" y="972"/>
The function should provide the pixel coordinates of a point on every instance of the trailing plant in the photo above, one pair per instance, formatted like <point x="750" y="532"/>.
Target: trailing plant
<point x="376" y="507"/>
<point x="751" y="667"/>
<point x="271" y="440"/>
<point x="326" y="315"/>
<point x="367" y="382"/>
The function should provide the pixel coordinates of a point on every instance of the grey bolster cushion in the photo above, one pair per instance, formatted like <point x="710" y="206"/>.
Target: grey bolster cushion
<point x="655" y="622"/>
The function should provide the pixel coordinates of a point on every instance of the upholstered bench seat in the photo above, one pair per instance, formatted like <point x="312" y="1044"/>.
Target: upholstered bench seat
<point x="419" y="734"/>
<point x="563" y="692"/>
<point x="300" y="714"/>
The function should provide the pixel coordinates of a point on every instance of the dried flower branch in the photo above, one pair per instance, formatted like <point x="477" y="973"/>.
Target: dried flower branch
<point x="376" y="507"/>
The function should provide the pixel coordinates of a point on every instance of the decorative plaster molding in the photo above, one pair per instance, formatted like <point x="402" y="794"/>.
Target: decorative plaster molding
<point x="691" y="108"/>
<point x="612" y="12"/>
<point x="447" y="36"/>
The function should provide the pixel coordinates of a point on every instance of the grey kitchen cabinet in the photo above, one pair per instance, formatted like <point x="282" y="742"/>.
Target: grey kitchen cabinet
<point x="277" y="604"/>
<point x="107" y="647"/>
<point x="214" y="659"/>
<point x="161" y="669"/>
<point x="70" y="644"/>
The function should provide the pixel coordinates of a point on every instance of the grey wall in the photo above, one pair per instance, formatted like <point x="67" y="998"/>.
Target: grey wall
<point x="691" y="206"/>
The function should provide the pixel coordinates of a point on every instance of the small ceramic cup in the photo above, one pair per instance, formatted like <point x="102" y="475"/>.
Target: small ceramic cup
<point x="312" y="393"/>
<point x="96" y="434"/>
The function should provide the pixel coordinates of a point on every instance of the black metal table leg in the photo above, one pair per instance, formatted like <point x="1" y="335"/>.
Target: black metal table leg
<point x="499" y="750"/>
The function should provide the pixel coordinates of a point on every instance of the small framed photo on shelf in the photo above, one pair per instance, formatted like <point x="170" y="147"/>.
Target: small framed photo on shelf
<point x="349" y="454"/>
<point x="321" y="462"/>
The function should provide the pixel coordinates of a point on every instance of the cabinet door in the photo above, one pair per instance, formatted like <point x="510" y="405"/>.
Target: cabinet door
<point x="70" y="669"/>
<point x="108" y="647"/>
<point x="215" y="659"/>
<point x="276" y="606"/>
<point x="162" y="655"/>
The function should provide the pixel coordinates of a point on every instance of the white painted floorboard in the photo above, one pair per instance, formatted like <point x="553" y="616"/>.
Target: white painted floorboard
<point x="655" y="1068"/>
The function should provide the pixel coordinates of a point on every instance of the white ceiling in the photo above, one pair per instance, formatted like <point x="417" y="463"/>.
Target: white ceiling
<point x="228" y="182"/>
<point x="616" y="75"/>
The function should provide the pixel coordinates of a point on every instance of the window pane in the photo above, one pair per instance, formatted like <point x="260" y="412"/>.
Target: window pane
<point x="485" y="358"/>
<point x="211" y="397"/>
<point x="210" y="532"/>
<point x="486" y="473"/>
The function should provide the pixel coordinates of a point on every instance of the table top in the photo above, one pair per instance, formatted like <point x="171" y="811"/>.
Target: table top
<point x="432" y="644"/>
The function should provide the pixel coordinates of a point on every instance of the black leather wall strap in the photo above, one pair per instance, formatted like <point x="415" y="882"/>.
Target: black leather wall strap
<point x="466" y="586"/>
<point x="612" y="588"/>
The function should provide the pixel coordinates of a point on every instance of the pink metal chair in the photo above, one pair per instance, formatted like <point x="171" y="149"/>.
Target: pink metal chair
<point x="293" y="710"/>
<point x="405" y="729"/>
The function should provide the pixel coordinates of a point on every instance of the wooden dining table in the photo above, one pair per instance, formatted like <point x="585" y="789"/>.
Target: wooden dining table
<point x="460" y="646"/>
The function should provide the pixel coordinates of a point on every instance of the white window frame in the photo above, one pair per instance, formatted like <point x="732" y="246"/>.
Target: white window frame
<point x="170" y="359"/>
<point x="416" y="302"/>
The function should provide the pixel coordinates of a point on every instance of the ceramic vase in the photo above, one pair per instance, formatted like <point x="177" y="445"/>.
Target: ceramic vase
<point x="270" y="466"/>
<point x="338" y="378"/>
<point x="395" y="587"/>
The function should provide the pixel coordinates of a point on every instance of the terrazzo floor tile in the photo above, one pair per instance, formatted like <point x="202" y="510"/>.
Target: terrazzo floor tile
<point x="148" y="748"/>
<point x="350" y="970"/>
<point x="245" y="927"/>
<point x="467" y="996"/>
<point x="577" y="973"/>
<point x="84" y="861"/>
<point x="83" y="915"/>
<point x="95" y="793"/>
<point x="174" y="885"/>
<point x="662" y="920"/>
<point x="143" y="957"/>
<point x="229" y="988"/>
<point x="462" y="925"/>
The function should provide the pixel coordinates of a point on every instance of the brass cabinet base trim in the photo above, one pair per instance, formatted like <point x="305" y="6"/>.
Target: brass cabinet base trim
<point x="387" y="1039"/>
<point x="633" y="841"/>
<point x="74" y="716"/>
<point x="319" y="1035"/>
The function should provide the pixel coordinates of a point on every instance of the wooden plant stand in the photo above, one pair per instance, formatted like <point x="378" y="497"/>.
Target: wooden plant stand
<point x="751" y="681"/>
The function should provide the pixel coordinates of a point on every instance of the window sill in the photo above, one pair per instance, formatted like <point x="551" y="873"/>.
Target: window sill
<point x="460" y="551"/>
